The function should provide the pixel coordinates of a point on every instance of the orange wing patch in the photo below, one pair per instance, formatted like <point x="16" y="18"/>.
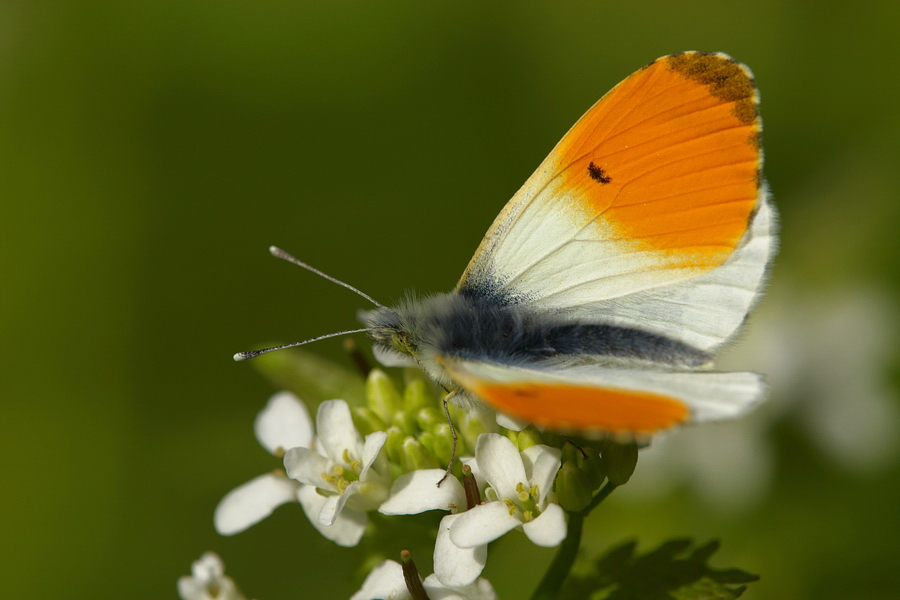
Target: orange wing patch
<point x="564" y="406"/>
<point x="669" y="158"/>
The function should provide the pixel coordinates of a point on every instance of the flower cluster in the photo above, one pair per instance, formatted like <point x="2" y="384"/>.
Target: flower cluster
<point x="387" y="452"/>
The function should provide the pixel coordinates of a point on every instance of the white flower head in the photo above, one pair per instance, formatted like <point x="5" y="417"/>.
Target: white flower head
<point x="517" y="495"/>
<point x="283" y="424"/>
<point x="417" y="492"/>
<point x="386" y="582"/>
<point x="346" y="475"/>
<point x="208" y="581"/>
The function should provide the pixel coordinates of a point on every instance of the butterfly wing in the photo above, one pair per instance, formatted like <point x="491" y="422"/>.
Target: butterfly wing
<point x="593" y="398"/>
<point x="649" y="213"/>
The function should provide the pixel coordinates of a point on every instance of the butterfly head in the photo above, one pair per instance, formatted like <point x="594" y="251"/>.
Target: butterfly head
<point x="411" y="333"/>
<point x="390" y="332"/>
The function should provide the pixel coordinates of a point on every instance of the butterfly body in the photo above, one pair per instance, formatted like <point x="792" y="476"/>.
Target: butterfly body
<point x="475" y="328"/>
<point x="602" y="292"/>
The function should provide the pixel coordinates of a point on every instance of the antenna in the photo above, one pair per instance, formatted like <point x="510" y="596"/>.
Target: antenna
<point x="254" y="353"/>
<point x="279" y="253"/>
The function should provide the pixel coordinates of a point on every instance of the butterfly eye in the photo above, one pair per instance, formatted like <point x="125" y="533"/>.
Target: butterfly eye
<point x="401" y="344"/>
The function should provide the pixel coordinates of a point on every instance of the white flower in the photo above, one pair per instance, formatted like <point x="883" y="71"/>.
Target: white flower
<point x="518" y="495"/>
<point x="347" y="476"/>
<point x="283" y="424"/>
<point x="386" y="582"/>
<point x="518" y="488"/>
<point x="417" y="492"/>
<point x="208" y="581"/>
<point x="454" y="565"/>
<point x="252" y="502"/>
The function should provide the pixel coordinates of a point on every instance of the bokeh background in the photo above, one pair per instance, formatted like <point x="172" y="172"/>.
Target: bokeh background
<point x="151" y="151"/>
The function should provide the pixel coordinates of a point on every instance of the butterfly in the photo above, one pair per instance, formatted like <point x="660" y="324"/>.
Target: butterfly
<point x="602" y="292"/>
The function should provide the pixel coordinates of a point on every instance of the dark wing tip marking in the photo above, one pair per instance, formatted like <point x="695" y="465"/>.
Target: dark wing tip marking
<point x="726" y="79"/>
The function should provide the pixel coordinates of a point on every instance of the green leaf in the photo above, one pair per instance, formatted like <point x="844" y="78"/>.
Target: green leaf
<point x="670" y="572"/>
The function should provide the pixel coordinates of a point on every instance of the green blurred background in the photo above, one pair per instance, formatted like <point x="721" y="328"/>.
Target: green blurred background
<point x="151" y="151"/>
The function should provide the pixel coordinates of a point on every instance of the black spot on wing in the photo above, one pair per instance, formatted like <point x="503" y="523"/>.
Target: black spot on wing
<point x="598" y="174"/>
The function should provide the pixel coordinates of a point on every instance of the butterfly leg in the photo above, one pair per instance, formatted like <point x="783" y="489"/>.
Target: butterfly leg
<point x="452" y="434"/>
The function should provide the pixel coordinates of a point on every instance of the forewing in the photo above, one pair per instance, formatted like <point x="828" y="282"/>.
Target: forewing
<point x="656" y="185"/>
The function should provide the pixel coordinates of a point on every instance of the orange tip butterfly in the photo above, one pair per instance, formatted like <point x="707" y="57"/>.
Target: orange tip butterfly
<point x="600" y="295"/>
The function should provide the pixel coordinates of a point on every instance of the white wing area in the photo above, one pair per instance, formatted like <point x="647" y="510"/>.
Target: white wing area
<point x="703" y="311"/>
<point x="709" y="396"/>
<point x="547" y="248"/>
<point x="595" y="279"/>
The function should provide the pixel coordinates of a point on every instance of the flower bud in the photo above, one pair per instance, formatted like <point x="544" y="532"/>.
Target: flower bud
<point x="573" y="487"/>
<point x="416" y="396"/>
<point x="427" y="439"/>
<point x="443" y="444"/>
<point x="429" y="418"/>
<point x="527" y="438"/>
<point x="416" y="456"/>
<point x="405" y="421"/>
<point x="366" y="420"/>
<point x="393" y="446"/>
<point x="620" y="459"/>
<point x="554" y="439"/>
<point x="382" y="395"/>
<point x="593" y="467"/>
<point x="471" y="425"/>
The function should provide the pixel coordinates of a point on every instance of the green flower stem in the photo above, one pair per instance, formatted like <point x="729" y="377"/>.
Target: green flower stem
<point x="556" y="574"/>
<point x="551" y="584"/>
<point x="600" y="497"/>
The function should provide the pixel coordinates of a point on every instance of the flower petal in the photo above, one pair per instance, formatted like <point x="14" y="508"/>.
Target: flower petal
<point x="208" y="579"/>
<point x="500" y="462"/>
<point x="307" y="466"/>
<point x="336" y="432"/>
<point x="348" y="526"/>
<point x="384" y="581"/>
<point x="455" y="566"/>
<point x="480" y="589"/>
<point x="208" y="569"/>
<point x="391" y="358"/>
<point x="511" y="422"/>
<point x="333" y="506"/>
<point x="482" y="524"/>
<point x="549" y="529"/>
<point x="252" y="502"/>
<point x="284" y="423"/>
<point x="373" y="444"/>
<point x="416" y="492"/>
<point x="542" y="464"/>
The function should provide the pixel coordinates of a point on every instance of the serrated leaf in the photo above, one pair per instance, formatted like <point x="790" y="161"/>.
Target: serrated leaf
<point x="707" y="589"/>
<point x="669" y="572"/>
<point x="704" y="553"/>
